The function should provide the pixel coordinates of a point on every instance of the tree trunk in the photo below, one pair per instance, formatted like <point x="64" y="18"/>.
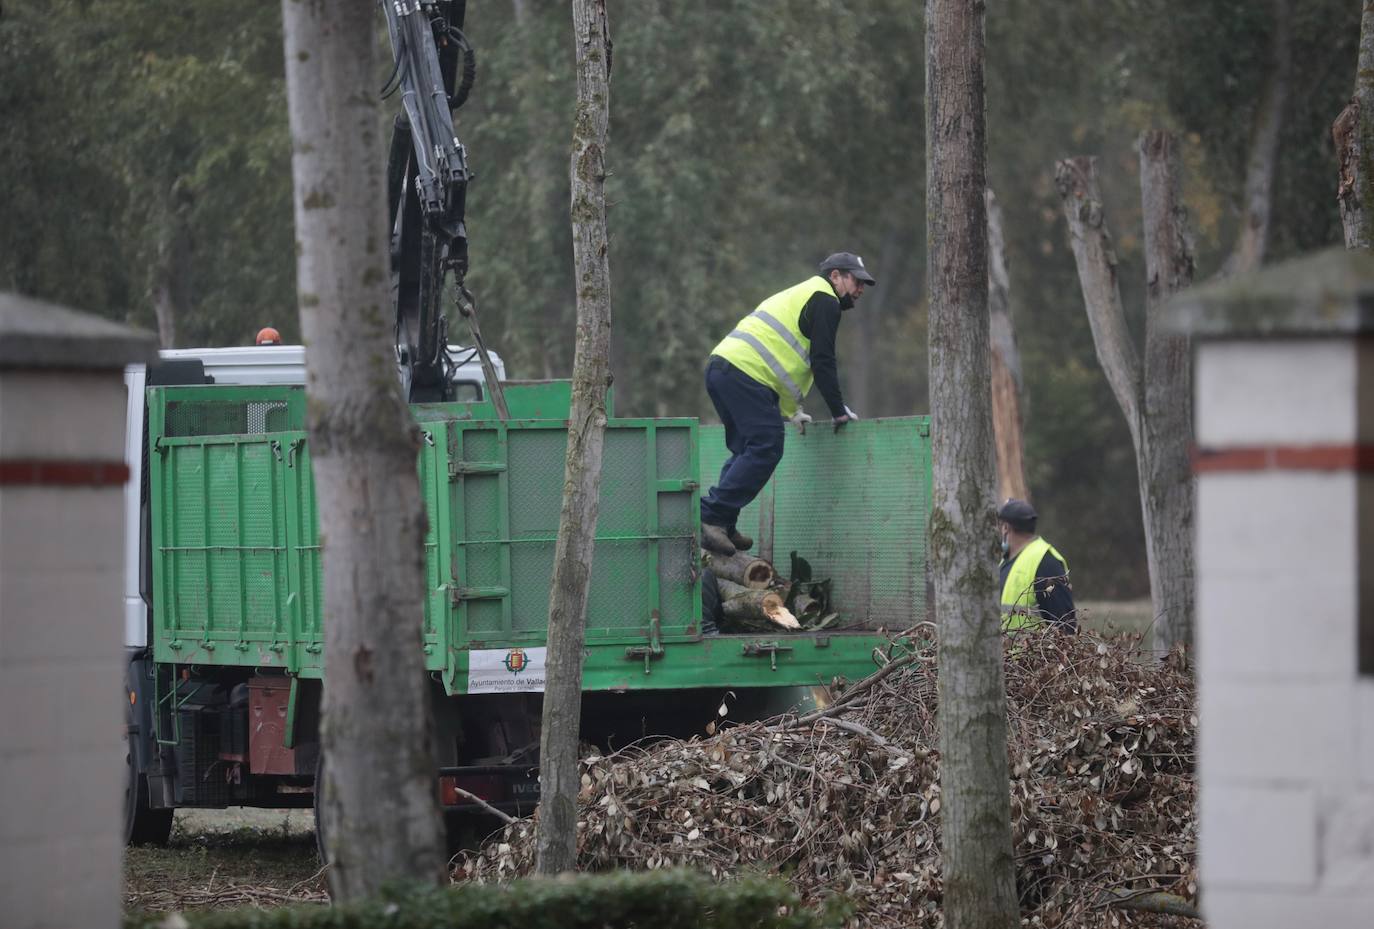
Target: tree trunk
<point x="539" y="190"/>
<point x="1091" y="243"/>
<point x="1006" y="365"/>
<point x="1353" y="133"/>
<point x="1156" y="401"/>
<point x="1253" y="238"/>
<point x="172" y="278"/>
<point x="979" y="872"/>
<point x="1163" y="463"/>
<point x="380" y="808"/>
<point x="882" y="302"/>
<point x="558" y="775"/>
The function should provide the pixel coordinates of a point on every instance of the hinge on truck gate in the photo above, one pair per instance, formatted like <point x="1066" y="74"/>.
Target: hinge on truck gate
<point x="458" y="594"/>
<point x="652" y="651"/>
<point x="457" y="468"/>
<point x="771" y="649"/>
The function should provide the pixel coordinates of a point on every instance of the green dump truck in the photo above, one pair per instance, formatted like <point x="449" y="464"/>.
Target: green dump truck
<point x="224" y="682"/>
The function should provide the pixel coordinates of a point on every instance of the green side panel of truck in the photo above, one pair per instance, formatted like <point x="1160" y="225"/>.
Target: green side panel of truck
<point x="854" y="504"/>
<point x="236" y="561"/>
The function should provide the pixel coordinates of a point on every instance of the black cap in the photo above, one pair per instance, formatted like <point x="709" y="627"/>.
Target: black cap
<point x="1017" y="512"/>
<point x="845" y="261"/>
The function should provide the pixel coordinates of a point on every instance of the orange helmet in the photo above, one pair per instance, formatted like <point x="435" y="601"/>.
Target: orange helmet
<point x="268" y="336"/>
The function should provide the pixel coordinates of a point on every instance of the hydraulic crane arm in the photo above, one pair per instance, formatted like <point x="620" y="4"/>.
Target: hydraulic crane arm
<point x="427" y="177"/>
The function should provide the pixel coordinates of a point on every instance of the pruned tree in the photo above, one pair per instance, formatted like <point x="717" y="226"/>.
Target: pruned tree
<point x="978" y="867"/>
<point x="1007" y="422"/>
<point x="1154" y="393"/>
<point x="1353" y="133"/>
<point x="378" y="802"/>
<point x="556" y="839"/>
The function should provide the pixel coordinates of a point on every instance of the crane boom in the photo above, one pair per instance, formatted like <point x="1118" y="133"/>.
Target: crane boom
<point x="427" y="178"/>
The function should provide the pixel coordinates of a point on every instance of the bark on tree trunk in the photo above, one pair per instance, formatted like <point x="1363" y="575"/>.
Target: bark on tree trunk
<point x="172" y="281"/>
<point x="1091" y="243"/>
<point x="1006" y="365"/>
<point x="380" y="807"/>
<point x="1353" y="133"/>
<point x="979" y="875"/>
<point x="1253" y="238"/>
<point x="1156" y="399"/>
<point x="559" y="782"/>
<point x="742" y="568"/>
<point x="1166" y="473"/>
<point x="881" y="303"/>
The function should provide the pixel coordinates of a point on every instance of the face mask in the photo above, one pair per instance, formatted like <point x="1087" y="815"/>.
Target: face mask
<point x="847" y="302"/>
<point x="1006" y="547"/>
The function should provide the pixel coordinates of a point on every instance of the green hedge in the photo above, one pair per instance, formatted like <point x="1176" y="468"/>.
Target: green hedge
<point x="644" y="900"/>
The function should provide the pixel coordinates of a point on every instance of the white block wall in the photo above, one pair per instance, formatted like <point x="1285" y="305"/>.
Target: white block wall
<point x="61" y="671"/>
<point x="1287" y="724"/>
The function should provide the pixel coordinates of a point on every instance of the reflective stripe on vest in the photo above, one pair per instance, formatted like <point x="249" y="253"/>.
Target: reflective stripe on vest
<point x="1019" y="607"/>
<point x="772" y="361"/>
<point x="769" y="346"/>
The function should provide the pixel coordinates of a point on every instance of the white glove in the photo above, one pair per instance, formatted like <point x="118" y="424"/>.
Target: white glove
<point x="850" y="413"/>
<point x="800" y="419"/>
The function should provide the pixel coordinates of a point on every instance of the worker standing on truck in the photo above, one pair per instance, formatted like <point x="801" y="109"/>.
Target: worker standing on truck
<point x="757" y="377"/>
<point x="1035" y="578"/>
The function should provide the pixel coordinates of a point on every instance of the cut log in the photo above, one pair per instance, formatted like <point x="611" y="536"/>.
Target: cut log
<point x="741" y="568"/>
<point x="746" y="608"/>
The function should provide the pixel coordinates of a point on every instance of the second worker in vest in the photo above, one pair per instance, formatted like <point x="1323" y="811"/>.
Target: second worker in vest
<point x="1035" y="577"/>
<point x="757" y="378"/>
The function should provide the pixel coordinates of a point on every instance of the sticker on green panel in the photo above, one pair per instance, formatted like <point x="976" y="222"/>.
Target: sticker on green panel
<point x="506" y="670"/>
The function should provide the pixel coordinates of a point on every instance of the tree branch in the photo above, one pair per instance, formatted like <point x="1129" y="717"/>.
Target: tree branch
<point x="1076" y="180"/>
<point x="469" y="795"/>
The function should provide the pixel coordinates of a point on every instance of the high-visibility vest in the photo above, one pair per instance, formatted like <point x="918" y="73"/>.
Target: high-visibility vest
<point x="768" y="344"/>
<point x="1019" y="607"/>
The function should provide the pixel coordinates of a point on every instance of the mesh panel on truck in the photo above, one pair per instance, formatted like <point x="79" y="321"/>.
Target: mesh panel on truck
<point x="855" y="505"/>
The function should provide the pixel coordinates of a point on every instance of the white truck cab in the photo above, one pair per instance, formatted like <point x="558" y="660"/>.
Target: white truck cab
<point x="243" y="365"/>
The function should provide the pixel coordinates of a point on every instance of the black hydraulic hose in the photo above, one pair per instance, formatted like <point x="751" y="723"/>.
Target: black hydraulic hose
<point x="395" y="75"/>
<point x="460" y="96"/>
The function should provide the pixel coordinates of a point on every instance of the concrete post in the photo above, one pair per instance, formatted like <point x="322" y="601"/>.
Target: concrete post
<point x="62" y="474"/>
<point x="1284" y="431"/>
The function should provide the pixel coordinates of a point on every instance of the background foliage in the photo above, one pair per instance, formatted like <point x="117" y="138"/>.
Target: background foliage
<point x="748" y="140"/>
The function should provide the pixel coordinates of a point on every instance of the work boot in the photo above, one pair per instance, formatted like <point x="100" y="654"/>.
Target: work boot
<point x="741" y="541"/>
<point x="716" y="539"/>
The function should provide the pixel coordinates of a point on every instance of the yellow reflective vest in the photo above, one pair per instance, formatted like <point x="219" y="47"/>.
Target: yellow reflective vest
<point x="1019" y="607"/>
<point x="768" y="344"/>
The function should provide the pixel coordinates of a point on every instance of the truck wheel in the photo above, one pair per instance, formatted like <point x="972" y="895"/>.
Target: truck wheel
<point x="143" y="825"/>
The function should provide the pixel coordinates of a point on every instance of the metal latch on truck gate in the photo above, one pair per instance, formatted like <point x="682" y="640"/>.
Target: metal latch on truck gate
<point x="652" y="651"/>
<point x="771" y="649"/>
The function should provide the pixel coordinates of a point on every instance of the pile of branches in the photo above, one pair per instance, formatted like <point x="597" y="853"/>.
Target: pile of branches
<point x="846" y="799"/>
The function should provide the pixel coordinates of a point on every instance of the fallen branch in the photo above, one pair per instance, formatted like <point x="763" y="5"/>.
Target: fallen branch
<point x="468" y="795"/>
<point x="1149" y="901"/>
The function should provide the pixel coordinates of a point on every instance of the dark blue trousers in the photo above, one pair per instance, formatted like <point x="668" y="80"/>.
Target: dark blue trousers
<point x="753" y="433"/>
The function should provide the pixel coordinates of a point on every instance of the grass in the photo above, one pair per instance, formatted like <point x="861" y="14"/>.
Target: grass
<point x="219" y="858"/>
<point x="1107" y="617"/>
